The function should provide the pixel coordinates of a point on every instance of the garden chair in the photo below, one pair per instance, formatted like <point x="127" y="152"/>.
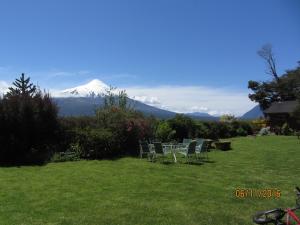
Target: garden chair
<point x="202" y="148"/>
<point x="189" y="150"/>
<point x="199" y="143"/>
<point x="159" y="150"/>
<point x="186" y="141"/>
<point x="145" y="150"/>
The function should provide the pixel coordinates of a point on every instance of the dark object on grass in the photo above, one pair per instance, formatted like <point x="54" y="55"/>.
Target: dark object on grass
<point x="209" y="143"/>
<point x="223" y="145"/>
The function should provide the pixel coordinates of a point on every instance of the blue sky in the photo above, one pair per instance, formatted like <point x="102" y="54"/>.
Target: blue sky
<point x="149" y="45"/>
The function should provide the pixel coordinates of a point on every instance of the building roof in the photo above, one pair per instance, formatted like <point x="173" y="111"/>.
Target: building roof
<point x="282" y="107"/>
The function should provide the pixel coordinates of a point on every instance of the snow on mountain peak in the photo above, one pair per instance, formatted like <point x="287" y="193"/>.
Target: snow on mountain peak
<point x="94" y="87"/>
<point x="96" y="83"/>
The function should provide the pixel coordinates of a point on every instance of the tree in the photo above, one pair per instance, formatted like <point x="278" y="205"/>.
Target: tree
<point x="228" y="118"/>
<point x="126" y="125"/>
<point x="23" y="87"/>
<point x="28" y="124"/>
<point x="184" y="126"/>
<point x="264" y="93"/>
<point x="267" y="54"/>
<point x="111" y="99"/>
<point x="164" y="132"/>
<point x="283" y="88"/>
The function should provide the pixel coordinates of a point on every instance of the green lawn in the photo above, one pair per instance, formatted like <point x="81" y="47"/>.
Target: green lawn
<point x="133" y="191"/>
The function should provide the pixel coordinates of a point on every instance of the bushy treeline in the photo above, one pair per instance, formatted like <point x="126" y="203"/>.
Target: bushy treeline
<point x="182" y="127"/>
<point x="31" y="132"/>
<point x="116" y="131"/>
<point x="112" y="132"/>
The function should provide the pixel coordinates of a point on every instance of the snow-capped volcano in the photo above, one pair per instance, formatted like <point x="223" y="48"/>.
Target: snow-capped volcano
<point x="94" y="87"/>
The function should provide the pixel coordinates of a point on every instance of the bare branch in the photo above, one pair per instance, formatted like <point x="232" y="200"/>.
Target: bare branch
<point x="267" y="54"/>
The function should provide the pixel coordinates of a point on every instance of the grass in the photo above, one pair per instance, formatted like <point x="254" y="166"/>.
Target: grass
<point x="133" y="191"/>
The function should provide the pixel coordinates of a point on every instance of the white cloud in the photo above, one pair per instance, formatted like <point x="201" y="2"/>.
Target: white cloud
<point x="147" y="100"/>
<point x="54" y="73"/>
<point x="3" y="87"/>
<point x="183" y="99"/>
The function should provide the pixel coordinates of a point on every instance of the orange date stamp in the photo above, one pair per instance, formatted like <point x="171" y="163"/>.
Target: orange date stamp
<point x="257" y="193"/>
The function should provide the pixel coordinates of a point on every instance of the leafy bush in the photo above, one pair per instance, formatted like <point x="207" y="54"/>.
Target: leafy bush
<point x="257" y="124"/>
<point x="286" y="130"/>
<point x="114" y="131"/>
<point x="201" y="130"/>
<point x="96" y="143"/>
<point x="65" y="156"/>
<point x="264" y="131"/>
<point x="241" y="132"/>
<point x="187" y="128"/>
<point x="164" y="132"/>
<point x="224" y="129"/>
<point x="184" y="126"/>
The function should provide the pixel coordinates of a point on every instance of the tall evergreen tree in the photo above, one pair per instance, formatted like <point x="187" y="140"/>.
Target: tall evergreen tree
<point x="22" y="87"/>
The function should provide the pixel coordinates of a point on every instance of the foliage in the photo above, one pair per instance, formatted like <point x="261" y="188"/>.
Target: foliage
<point x="228" y="118"/>
<point x="114" y="131"/>
<point x="287" y="87"/>
<point x="95" y="143"/>
<point x="164" y="132"/>
<point x="23" y="87"/>
<point x="241" y="132"/>
<point x="258" y="124"/>
<point x="183" y="125"/>
<point x="286" y="130"/>
<point x="264" y="131"/>
<point x="111" y="99"/>
<point x="202" y="130"/>
<point x="65" y="156"/>
<point x="29" y="124"/>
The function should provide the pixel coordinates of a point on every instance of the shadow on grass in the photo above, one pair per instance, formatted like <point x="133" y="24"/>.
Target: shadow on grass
<point x="183" y="161"/>
<point x="195" y="163"/>
<point x="20" y="165"/>
<point x="208" y="161"/>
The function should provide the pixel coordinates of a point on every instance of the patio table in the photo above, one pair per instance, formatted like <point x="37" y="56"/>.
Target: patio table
<point x="173" y="148"/>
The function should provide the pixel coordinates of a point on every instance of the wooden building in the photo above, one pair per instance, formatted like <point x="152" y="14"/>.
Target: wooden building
<point x="281" y="112"/>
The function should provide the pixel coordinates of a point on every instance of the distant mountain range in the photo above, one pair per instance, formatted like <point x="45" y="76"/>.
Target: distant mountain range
<point x="79" y="106"/>
<point x="254" y="113"/>
<point x="85" y="99"/>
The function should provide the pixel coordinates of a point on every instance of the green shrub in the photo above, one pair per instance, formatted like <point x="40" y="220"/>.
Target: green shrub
<point x="113" y="132"/>
<point x="264" y="131"/>
<point x="184" y="127"/>
<point x="201" y="130"/>
<point x="64" y="156"/>
<point x="187" y="128"/>
<point x="241" y="132"/>
<point x="164" y="132"/>
<point x="286" y="130"/>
